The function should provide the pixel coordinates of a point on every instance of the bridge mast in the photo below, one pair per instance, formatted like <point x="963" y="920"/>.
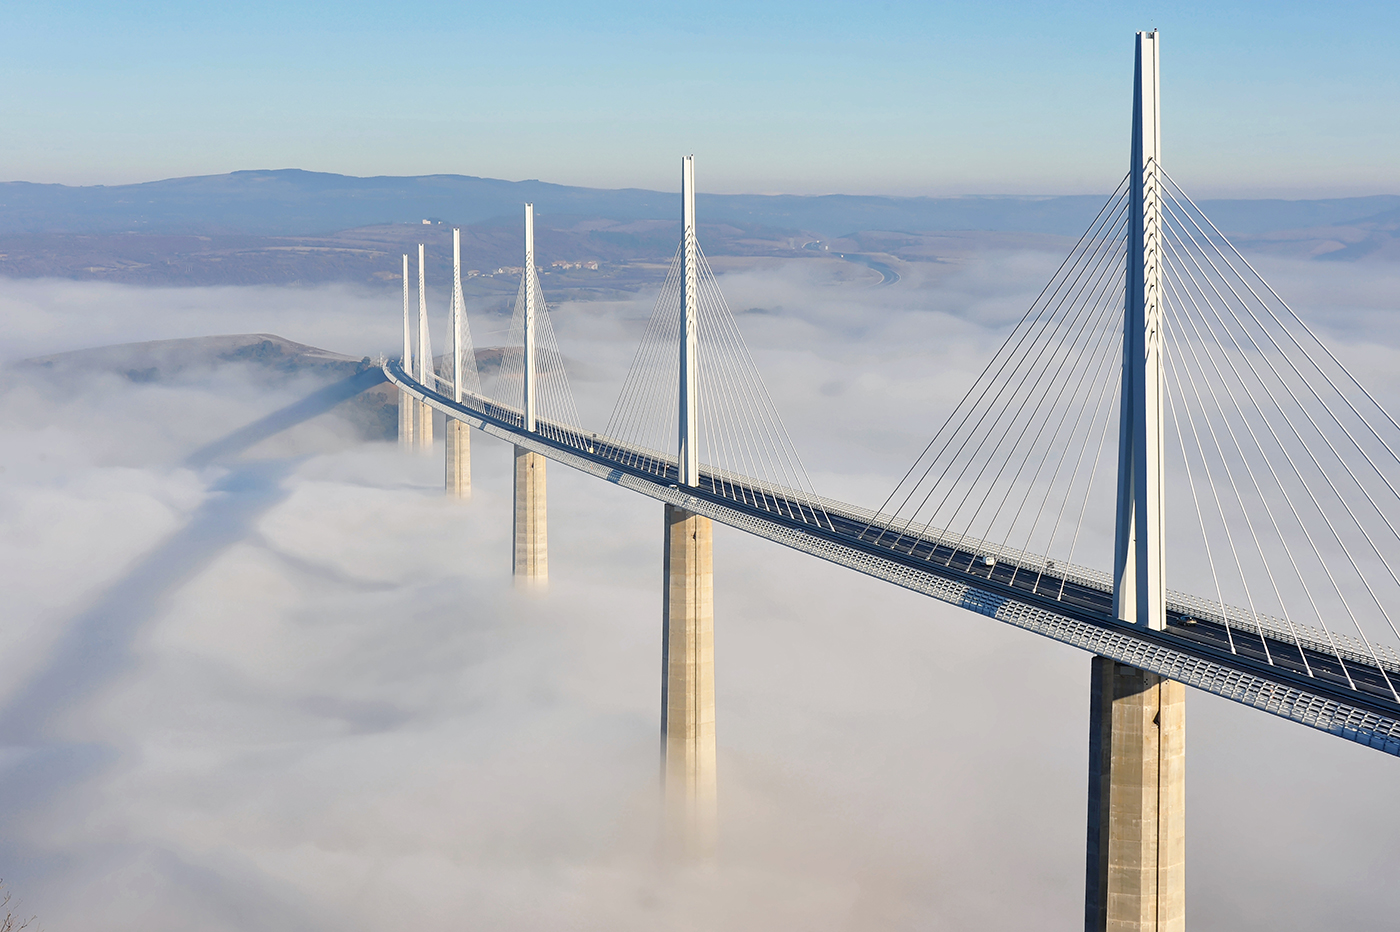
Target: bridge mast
<point x="688" y="463"/>
<point x="456" y="315"/>
<point x="423" y="432"/>
<point x="529" y="358"/>
<point x="406" y="403"/>
<point x="1136" y="851"/>
<point x="1139" y="592"/>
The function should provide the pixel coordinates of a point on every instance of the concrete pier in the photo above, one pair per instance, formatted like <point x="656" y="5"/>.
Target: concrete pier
<point x="423" y="427"/>
<point x="406" y="405"/>
<point x="531" y="529"/>
<point x="1137" y="801"/>
<point x="688" y="683"/>
<point x="457" y="474"/>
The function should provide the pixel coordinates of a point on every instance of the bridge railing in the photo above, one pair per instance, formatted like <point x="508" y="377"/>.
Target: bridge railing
<point x="1237" y="618"/>
<point x="1241" y="619"/>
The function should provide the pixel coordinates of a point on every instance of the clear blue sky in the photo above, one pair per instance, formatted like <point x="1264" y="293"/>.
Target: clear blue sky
<point x="1279" y="98"/>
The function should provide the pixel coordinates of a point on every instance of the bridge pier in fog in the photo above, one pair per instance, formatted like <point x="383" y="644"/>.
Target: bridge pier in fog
<point x="1136" y="853"/>
<point x="423" y="428"/>
<point x="1135" y="872"/>
<point x="406" y="403"/>
<point x="531" y="533"/>
<point x="457" y="478"/>
<point x="688" y="683"/>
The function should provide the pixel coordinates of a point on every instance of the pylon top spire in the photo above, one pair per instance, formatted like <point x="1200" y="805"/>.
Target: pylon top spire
<point x="528" y="388"/>
<point x="407" y="359"/>
<point x="687" y="458"/>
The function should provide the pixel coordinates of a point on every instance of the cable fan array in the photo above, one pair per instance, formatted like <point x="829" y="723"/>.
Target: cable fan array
<point x="1290" y="464"/>
<point x="1015" y="468"/>
<point x="745" y="452"/>
<point x="556" y="414"/>
<point x="459" y="339"/>
<point x="439" y="374"/>
<point x="1281" y="468"/>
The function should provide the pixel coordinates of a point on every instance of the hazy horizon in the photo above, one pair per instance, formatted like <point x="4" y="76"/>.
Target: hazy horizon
<point x="1245" y="193"/>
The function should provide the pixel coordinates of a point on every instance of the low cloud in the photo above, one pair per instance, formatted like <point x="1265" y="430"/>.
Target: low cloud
<point x="300" y="692"/>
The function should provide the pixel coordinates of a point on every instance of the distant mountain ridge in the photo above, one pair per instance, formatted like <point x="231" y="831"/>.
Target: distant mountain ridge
<point x="292" y="202"/>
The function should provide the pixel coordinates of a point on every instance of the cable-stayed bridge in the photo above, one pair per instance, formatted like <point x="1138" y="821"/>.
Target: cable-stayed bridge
<point x="1157" y="378"/>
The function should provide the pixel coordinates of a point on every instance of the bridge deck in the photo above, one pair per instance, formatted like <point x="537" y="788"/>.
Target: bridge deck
<point x="1296" y="676"/>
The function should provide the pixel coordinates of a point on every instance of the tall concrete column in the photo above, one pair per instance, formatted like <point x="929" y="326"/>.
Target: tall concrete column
<point x="1137" y="801"/>
<point x="423" y="428"/>
<point x="457" y="478"/>
<point x="406" y="405"/>
<point x="531" y="530"/>
<point x="458" y="472"/>
<point x="688" y="682"/>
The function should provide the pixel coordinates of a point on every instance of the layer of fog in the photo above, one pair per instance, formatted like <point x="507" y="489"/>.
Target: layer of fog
<point x="301" y="692"/>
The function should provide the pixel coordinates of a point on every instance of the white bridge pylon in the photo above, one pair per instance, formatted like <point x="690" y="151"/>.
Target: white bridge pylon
<point x="531" y="378"/>
<point x="427" y="365"/>
<point x="693" y="407"/>
<point x="1139" y="552"/>
<point x="458" y="374"/>
<point x="1283" y="471"/>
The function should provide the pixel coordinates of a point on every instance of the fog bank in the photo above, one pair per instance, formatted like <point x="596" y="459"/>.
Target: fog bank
<point x="299" y="691"/>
